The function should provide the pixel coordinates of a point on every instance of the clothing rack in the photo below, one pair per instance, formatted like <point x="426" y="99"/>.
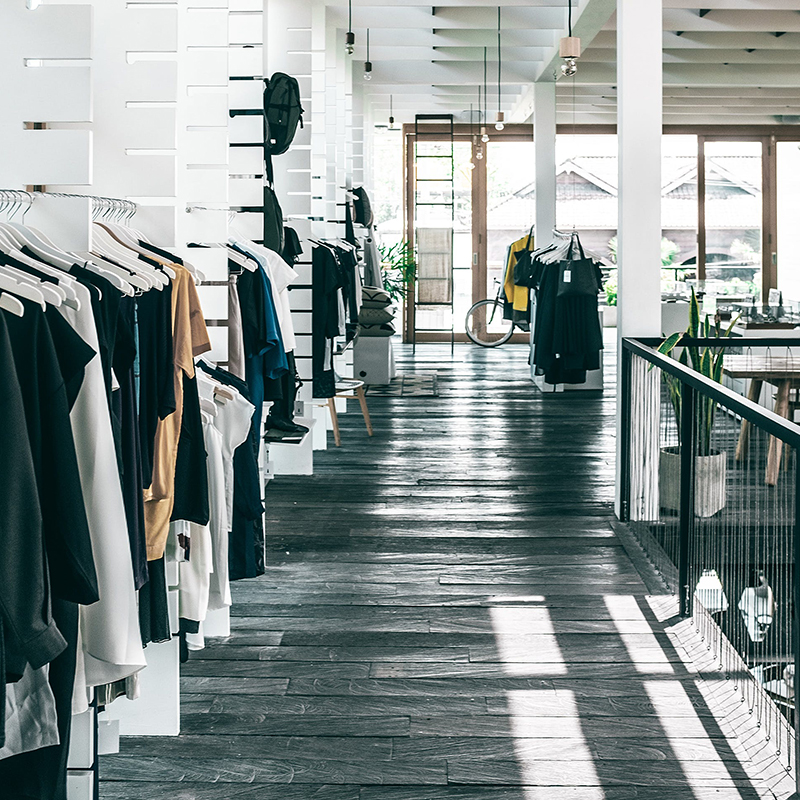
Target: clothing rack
<point x="102" y="207"/>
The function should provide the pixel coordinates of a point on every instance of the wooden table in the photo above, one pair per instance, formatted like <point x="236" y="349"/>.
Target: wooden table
<point x="785" y="374"/>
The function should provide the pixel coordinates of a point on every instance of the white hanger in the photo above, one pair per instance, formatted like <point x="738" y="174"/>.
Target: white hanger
<point x="63" y="289"/>
<point x="122" y="278"/>
<point x="51" y="292"/>
<point x="26" y="290"/>
<point x="12" y="304"/>
<point x="126" y="237"/>
<point x="106" y="244"/>
<point x="208" y="406"/>
<point x="242" y="260"/>
<point x="28" y="237"/>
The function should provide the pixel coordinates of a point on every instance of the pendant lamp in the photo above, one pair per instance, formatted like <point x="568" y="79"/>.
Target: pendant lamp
<point x="500" y="120"/>
<point x="471" y="164"/>
<point x="570" y="49"/>
<point x="367" y="63"/>
<point x="349" y="37"/>
<point x="391" y="112"/>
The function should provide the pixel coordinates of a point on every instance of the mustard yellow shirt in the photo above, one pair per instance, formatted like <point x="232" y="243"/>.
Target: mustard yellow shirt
<point x="517" y="295"/>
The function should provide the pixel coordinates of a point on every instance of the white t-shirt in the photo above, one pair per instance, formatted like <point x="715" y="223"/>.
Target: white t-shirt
<point x="109" y="629"/>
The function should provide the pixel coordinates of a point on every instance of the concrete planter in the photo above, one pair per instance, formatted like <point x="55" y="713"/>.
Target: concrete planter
<point x="709" y="484"/>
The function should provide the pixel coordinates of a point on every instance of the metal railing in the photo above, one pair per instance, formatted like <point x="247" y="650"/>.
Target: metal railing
<point x="709" y="488"/>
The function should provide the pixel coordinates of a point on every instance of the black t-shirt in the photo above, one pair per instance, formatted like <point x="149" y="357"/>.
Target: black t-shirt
<point x="105" y="309"/>
<point x="253" y="303"/>
<point x="156" y="378"/>
<point x="191" y="475"/>
<point x="24" y="595"/>
<point x="43" y="370"/>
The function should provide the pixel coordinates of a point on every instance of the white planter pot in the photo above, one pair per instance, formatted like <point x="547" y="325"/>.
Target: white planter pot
<point x="609" y="316"/>
<point x="709" y="482"/>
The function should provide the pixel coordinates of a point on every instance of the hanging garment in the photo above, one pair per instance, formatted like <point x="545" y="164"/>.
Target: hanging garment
<point x="125" y="410"/>
<point x="43" y="369"/>
<point x="109" y="628"/>
<point x="26" y="614"/>
<point x="30" y="713"/>
<point x="373" y="274"/>
<point x="191" y="481"/>
<point x="235" y="337"/>
<point x="567" y="335"/>
<point x="326" y="283"/>
<point x="189" y="339"/>
<point x="518" y="296"/>
<point x="246" y="540"/>
<point x="154" y="370"/>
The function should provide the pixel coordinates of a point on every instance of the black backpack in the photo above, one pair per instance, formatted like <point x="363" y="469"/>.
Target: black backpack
<point x="282" y="112"/>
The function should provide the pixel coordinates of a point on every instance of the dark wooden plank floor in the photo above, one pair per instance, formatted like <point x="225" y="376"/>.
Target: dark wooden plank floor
<point x="447" y="615"/>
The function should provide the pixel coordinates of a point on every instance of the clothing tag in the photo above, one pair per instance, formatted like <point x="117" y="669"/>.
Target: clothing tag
<point x="567" y="276"/>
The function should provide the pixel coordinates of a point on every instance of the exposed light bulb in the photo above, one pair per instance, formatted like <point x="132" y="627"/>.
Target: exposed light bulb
<point x="367" y="70"/>
<point x="498" y="126"/>
<point x="471" y="165"/>
<point x="479" y="155"/>
<point x="367" y="76"/>
<point x="484" y="135"/>
<point x="500" y="122"/>
<point x="349" y="43"/>
<point x="569" y="67"/>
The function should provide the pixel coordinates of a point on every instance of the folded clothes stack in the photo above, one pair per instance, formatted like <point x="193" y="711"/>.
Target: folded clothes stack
<point x="376" y="317"/>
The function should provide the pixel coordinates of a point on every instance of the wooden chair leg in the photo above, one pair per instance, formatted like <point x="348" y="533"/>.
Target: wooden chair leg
<point x="335" y="420"/>
<point x="362" y="400"/>
<point x="743" y="445"/>
<point x="776" y="445"/>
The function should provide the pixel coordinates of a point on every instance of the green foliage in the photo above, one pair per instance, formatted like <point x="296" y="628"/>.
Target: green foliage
<point x="399" y="267"/>
<point x="708" y="361"/>
<point x="610" y="288"/>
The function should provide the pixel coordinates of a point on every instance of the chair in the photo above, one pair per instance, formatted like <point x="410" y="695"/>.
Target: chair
<point x="348" y="388"/>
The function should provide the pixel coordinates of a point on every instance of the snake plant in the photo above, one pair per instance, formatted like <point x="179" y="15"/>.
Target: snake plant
<point x="708" y="361"/>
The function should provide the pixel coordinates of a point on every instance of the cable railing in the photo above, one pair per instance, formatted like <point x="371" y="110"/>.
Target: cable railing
<point x="709" y="488"/>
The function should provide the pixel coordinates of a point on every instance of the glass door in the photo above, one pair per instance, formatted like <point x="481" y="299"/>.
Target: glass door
<point x="734" y="225"/>
<point x="494" y="205"/>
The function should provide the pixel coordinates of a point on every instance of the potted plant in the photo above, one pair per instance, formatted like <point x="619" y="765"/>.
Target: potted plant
<point x="710" y="464"/>
<point x="610" y="308"/>
<point x="399" y="267"/>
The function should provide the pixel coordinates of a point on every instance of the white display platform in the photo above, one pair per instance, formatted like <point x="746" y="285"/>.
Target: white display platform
<point x="322" y="424"/>
<point x="296" y="458"/>
<point x="157" y="710"/>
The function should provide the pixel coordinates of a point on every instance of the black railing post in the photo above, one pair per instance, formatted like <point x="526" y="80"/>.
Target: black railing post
<point x="626" y="400"/>
<point x="687" y="449"/>
<point x="796" y="625"/>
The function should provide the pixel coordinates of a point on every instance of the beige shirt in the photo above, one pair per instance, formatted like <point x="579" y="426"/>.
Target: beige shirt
<point x="189" y="339"/>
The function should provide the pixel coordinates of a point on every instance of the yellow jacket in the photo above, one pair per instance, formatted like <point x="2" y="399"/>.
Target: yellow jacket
<point x="517" y="295"/>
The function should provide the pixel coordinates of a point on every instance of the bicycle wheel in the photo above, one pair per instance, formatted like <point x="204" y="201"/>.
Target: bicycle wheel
<point x="485" y="324"/>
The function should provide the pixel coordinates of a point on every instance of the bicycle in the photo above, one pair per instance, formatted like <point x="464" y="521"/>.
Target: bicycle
<point x="495" y="330"/>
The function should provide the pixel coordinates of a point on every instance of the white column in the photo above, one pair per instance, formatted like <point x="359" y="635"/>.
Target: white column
<point x="639" y="80"/>
<point x="639" y="125"/>
<point x="544" y="139"/>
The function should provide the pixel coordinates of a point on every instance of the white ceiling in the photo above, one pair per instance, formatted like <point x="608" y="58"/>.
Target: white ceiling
<point x="725" y="61"/>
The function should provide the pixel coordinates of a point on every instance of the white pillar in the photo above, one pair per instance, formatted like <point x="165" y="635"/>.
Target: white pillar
<point x="639" y="80"/>
<point x="639" y="127"/>
<point x="544" y="138"/>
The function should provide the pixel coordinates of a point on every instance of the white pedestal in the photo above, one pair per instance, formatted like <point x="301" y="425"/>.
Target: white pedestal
<point x="373" y="360"/>
<point x="157" y="711"/>
<point x="217" y="623"/>
<point x="322" y="424"/>
<point x="80" y="785"/>
<point x="296" y="458"/>
<point x="81" y="742"/>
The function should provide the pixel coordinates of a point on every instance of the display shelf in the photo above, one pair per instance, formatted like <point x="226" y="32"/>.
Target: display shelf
<point x="296" y="458"/>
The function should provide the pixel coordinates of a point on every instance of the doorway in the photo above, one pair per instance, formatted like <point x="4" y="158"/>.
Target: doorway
<point x="493" y="205"/>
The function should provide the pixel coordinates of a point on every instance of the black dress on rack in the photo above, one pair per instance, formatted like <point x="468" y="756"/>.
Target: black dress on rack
<point x="568" y="338"/>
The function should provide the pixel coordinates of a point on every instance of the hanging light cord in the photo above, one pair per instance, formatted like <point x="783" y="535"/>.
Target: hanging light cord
<point x="485" y="77"/>
<point x="570" y="17"/>
<point x="349" y="15"/>
<point x="499" y="60"/>
<point x="367" y="44"/>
